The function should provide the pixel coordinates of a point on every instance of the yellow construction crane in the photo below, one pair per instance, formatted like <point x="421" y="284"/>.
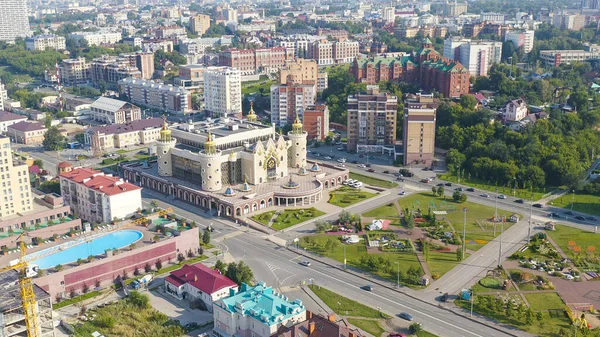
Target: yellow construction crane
<point x="143" y="220"/>
<point x="26" y="289"/>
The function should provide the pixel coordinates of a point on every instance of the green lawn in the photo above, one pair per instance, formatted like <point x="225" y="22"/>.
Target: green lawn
<point x="343" y="305"/>
<point x="388" y="211"/>
<point x="346" y="196"/>
<point x="584" y="239"/>
<point x="545" y="301"/>
<point x="441" y="263"/>
<point x="373" y="181"/>
<point x="585" y="203"/>
<point x="288" y="217"/>
<point x="425" y="334"/>
<point x="548" y="327"/>
<point x="76" y="299"/>
<point x="369" y="325"/>
<point x="355" y="251"/>
<point x="483" y="185"/>
<point x="256" y="86"/>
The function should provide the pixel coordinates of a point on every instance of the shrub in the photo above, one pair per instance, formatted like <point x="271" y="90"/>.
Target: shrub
<point x="435" y="276"/>
<point x="489" y="282"/>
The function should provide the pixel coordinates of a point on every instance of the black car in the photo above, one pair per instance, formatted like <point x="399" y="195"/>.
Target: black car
<point x="460" y="189"/>
<point x="368" y="287"/>
<point x="569" y="213"/>
<point x="538" y="205"/>
<point x="448" y="184"/>
<point x="354" y="162"/>
<point x="439" y="185"/>
<point x="579" y="217"/>
<point x="444" y="297"/>
<point x="519" y="201"/>
<point x="592" y="218"/>
<point x="368" y="165"/>
<point x="553" y="215"/>
<point x="470" y="189"/>
<point x="386" y="171"/>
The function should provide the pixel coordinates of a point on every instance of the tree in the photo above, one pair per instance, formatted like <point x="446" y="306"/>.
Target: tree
<point x="158" y="264"/>
<point x="80" y="138"/>
<point x="322" y="226"/>
<point x="136" y="271"/>
<point x="58" y="267"/>
<point x="50" y="186"/>
<point x="456" y="195"/>
<point x="331" y="244"/>
<point x="53" y="139"/>
<point x="459" y="255"/>
<point x="137" y="299"/>
<point x="345" y="217"/>
<point x="434" y="190"/>
<point x="39" y="163"/>
<point x="206" y="237"/>
<point x="463" y="197"/>
<point x="529" y="316"/>
<point x="540" y="317"/>
<point x="221" y="267"/>
<point x="468" y="101"/>
<point x="180" y="257"/>
<point x="239" y="273"/>
<point x="440" y="191"/>
<point x="415" y="328"/>
<point x="85" y="288"/>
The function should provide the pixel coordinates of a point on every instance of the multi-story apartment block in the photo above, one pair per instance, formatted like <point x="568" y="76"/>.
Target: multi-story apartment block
<point x="113" y="111"/>
<point x="425" y="67"/>
<point x="28" y="133"/>
<point x="255" y="26"/>
<point x="345" y="52"/>
<point x="569" y="21"/>
<point x="253" y="61"/>
<point x="165" y="32"/>
<point x="455" y="8"/>
<point x="110" y="70"/>
<point x="156" y="95"/>
<point x="14" y="22"/>
<point x="143" y="61"/>
<point x="223" y="91"/>
<point x="300" y="43"/>
<point x="328" y="52"/>
<point x="289" y="101"/>
<point x="477" y="56"/>
<point x="74" y="71"/>
<point x="337" y="34"/>
<point x="476" y="28"/>
<point x="299" y="71"/>
<point x="316" y="121"/>
<point x="3" y="98"/>
<point x="521" y="39"/>
<point x="371" y="120"/>
<point x="199" y="24"/>
<point x="118" y="136"/>
<point x="492" y="17"/>
<point x="191" y="77"/>
<point x="43" y="42"/>
<point x="102" y="37"/>
<point x="554" y="58"/>
<point x="257" y="311"/>
<point x="388" y="14"/>
<point x="322" y="52"/>
<point x="16" y="194"/>
<point x="419" y="129"/>
<point x="97" y="197"/>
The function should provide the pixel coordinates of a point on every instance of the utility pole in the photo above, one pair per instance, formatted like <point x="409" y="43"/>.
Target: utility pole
<point x="344" y="257"/>
<point x="464" y="243"/>
<point x="398" y="280"/>
<point x="572" y="200"/>
<point x="530" y="215"/>
<point x="500" y="250"/>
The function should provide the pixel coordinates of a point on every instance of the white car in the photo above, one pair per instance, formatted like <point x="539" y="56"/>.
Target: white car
<point x="342" y="160"/>
<point x="328" y="158"/>
<point x="362" y="165"/>
<point x="501" y="196"/>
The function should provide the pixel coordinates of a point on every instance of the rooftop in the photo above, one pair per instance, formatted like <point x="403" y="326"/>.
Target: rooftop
<point x="6" y="116"/>
<point x="10" y="295"/>
<point x="108" y="104"/>
<point x="28" y="126"/>
<point x="262" y="303"/>
<point x="99" y="182"/>
<point x="134" y="126"/>
<point x="200" y="277"/>
<point x="319" y="326"/>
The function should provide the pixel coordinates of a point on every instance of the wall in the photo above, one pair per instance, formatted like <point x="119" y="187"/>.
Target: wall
<point x="106" y="270"/>
<point x="125" y="203"/>
<point x="44" y="233"/>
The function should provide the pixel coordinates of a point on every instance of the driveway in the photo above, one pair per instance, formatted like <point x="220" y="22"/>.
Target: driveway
<point x="177" y="309"/>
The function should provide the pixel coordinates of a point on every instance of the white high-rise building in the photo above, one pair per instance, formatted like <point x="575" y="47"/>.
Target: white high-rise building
<point x="16" y="194"/>
<point x="14" y="22"/>
<point x="478" y="56"/>
<point x="521" y="39"/>
<point x="3" y="95"/>
<point x="223" y="91"/>
<point x="389" y="14"/>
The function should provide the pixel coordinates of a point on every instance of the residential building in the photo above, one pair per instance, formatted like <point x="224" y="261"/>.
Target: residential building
<point x="16" y="192"/>
<point x="337" y="52"/>
<point x="425" y="67"/>
<point x="198" y="282"/>
<point x="12" y="320"/>
<point x="112" y="111"/>
<point x="8" y="118"/>
<point x="191" y="77"/>
<point x="98" y="38"/>
<point x="554" y="58"/>
<point x="322" y="81"/>
<point x="301" y="70"/>
<point x="223" y="91"/>
<point x="316" y="121"/>
<point x="345" y="51"/>
<point x="255" y="26"/>
<point x="492" y="17"/>
<point x="473" y="29"/>
<point x="156" y="95"/>
<point x="28" y="133"/>
<point x="117" y="136"/>
<point x="134" y="41"/>
<point x="371" y="120"/>
<point x="43" y="42"/>
<point x="199" y="24"/>
<point x="479" y="56"/>
<point x="97" y="197"/>
<point x="155" y="45"/>
<point x="337" y="34"/>
<point x="3" y="98"/>
<point x="521" y="39"/>
<point x="253" y="61"/>
<point x="455" y="8"/>
<point x="289" y="101"/>
<point x="569" y="21"/>
<point x="14" y="22"/>
<point x="257" y="311"/>
<point x="109" y="70"/>
<point x="319" y="326"/>
<point x="74" y="71"/>
<point x="388" y="14"/>
<point x="321" y="51"/>
<point x="514" y="110"/>
<point x="419" y="129"/>
<point x="165" y="32"/>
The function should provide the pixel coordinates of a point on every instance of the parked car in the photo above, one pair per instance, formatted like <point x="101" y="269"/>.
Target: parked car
<point x="470" y="189"/>
<point x="538" y="205"/>
<point x="400" y="179"/>
<point x="460" y="189"/>
<point x="406" y="316"/>
<point x="355" y="162"/>
<point x="328" y="158"/>
<point x="305" y="263"/>
<point x="340" y="148"/>
<point x="440" y="185"/>
<point x="519" y="201"/>
<point x="368" y="165"/>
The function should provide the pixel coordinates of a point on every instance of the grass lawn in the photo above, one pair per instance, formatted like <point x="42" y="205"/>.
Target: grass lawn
<point x="384" y="212"/>
<point x="373" y="181"/>
<point x="77" y="299"/>
<point x="352" y="308"/>
<point x="256" y="86"/>
<point x="346" y="196"/>
<point x="368" y="325"/>
<point x="545" y="301"/>
<point x="548" y="327"/>
<point x="482" y="185"/>
<point x="288" y="217"/>
<point x="440" y="263"/>
<point x="354" y="252"/>
<point x="176" y="266"/>
<point x="425" y="334"/>
<point x="584" y="239"/>
<point x="130" y="321"/>
<point x="585" y="203"/>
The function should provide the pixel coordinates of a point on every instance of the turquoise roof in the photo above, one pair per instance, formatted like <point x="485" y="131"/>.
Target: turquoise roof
<point x="229" y="192"/>
<point x="315" y="168"/>
<point x="246" y="187"/>
<point x="262" y="303"/>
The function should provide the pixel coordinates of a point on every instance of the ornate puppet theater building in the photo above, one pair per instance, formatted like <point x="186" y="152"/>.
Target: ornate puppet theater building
<point x="235" y="166"/>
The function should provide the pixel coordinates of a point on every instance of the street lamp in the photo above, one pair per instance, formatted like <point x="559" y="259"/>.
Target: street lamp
<point x="464" y="243"/>
<point x="398" y="280"/>
<point x="572" y="200"/>
<point x="344" y="256"/>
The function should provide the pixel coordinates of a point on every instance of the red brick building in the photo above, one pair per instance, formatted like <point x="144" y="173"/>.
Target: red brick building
<point x="316" y="121"/>
<point x="425" y="67"/>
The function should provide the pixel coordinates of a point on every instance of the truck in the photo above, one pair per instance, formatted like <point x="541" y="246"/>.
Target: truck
<point x="143" y="282"/>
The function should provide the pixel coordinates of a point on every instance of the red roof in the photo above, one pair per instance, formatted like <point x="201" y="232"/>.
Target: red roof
<point x="64" y="164"/>
<point x="201" y="277"/>
<point x="96" y="180"/>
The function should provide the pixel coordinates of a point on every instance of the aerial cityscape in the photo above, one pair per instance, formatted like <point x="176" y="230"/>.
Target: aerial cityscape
<point x="293" y="168"/>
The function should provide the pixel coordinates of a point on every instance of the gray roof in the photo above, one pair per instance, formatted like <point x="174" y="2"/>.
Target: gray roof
<point x="128" y="127"/>
<point x="10" y="296"/>
<point x="108" y="104"/>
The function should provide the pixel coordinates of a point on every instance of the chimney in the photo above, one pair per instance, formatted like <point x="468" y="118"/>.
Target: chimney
<point x="195" y="278"/>
<point x="311" y="328"/>
<point x="331" y="317"/>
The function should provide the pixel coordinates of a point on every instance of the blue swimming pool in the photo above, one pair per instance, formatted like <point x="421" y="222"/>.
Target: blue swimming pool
<point x="95" y="247"/>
